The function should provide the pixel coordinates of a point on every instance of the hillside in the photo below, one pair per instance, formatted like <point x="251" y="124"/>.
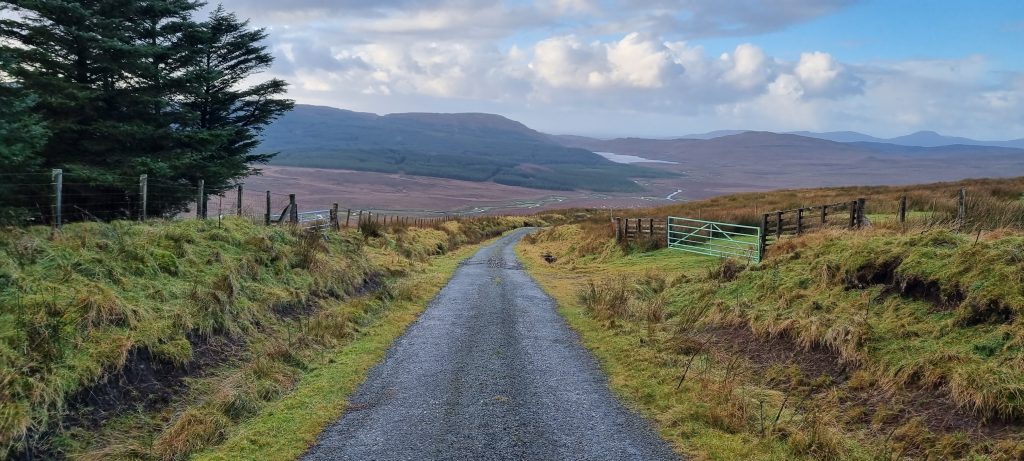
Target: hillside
<point x="763" y="161"/>
<point x="473" y="147"/>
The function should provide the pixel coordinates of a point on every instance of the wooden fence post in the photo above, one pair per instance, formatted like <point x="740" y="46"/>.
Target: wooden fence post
<point x="143" y="195"/>
<point x="58" y="196"/>
<point x="903" y="209"/>
<point x="651" y="229"/>
<point x="200" y="201"/>
<point x="860" y="212"/>
<point x="335" y="222"/>
<point x="799" y="221"/>
<point x="359" y="219"/>
<point x="238" y="202"/>
<point x="618" y="230"/>
<point x="293" y="210"/>
<point x="824" y="214"/>
<point x="778" y="225"/>
<point x="853" y="214"/>
<point x="348" y="216"/>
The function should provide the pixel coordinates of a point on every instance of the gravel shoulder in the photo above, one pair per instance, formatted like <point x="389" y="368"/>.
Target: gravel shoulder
<point x="489" y="371"/>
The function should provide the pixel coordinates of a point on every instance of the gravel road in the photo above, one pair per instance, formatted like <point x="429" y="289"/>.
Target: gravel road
<point x="489" y="371"/>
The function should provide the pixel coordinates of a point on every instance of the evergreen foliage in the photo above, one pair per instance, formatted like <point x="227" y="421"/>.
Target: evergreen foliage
<point x="131" y="87"/>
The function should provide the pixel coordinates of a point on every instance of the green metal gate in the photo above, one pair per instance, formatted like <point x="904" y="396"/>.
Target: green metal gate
<point x="714" y="238"/>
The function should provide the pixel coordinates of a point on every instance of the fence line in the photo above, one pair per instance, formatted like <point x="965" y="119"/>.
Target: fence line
<point x="74" y="198"/>
<point x="776" y="224"/>
<point x="634" y="229"/>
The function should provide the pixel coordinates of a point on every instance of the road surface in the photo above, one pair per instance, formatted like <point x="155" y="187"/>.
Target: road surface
<point x="489" y="372"/>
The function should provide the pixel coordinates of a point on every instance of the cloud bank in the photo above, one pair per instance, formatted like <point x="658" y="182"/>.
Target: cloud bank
<point x="620" y="67"/>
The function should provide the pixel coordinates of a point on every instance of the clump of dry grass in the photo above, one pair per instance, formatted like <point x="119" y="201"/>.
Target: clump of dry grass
<point x="641" y="298"/>
<point x="190" y="431"/>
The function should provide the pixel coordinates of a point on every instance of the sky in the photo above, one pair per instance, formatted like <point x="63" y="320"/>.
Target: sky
<point x="661" y="68"/>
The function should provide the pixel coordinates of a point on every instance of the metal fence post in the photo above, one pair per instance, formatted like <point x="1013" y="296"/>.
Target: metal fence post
<point x="763" y="238"/>
<point x="668" y="231"/>
<point x="200" y="202"/>
<point x="143" y="195"/>
<point x="58" y="196"/>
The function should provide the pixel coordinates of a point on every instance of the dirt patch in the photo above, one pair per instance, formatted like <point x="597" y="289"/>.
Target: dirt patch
<point x="865" y="403"/>
<point x="990" y="313"/>
<point x="766" y="352"/>
<point x="145" y="383"/>
<point x="913" y="288"/>
<point x="372" y="283"/>
<point x="291" y="310"/>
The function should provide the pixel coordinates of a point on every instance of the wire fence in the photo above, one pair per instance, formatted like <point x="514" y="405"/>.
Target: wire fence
<point x="60" y="197"/>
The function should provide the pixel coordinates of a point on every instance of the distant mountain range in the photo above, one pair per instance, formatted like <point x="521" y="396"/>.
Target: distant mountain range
<point x="486" y="147"/>
<point x="473" y="147"/>
<point x="918" y="139"/>
<point x="772" y="145"/>
<point x="757" y="160"/>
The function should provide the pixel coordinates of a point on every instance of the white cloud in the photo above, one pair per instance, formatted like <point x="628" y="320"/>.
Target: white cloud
<point x="787" y="86"/>
<point x="817" y="70"/>
<point x="748" y="67"/>
<point x="633" y="62"/>
<point x="610" y="63"/>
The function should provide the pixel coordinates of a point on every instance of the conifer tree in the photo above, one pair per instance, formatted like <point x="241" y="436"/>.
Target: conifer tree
<point x="127" y="87"/>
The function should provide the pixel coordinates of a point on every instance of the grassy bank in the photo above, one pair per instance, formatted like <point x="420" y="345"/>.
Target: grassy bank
<point x="286" y="428"/>
<point x="842" y="345"/>
<point x="128" y="341"/>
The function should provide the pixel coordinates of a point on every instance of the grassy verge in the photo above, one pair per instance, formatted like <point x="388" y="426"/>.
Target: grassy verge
<point x="286" y="428"/>
<point x="868" y="345"/>
<point x="643" y="374"/>
<point x="155" y="341"/>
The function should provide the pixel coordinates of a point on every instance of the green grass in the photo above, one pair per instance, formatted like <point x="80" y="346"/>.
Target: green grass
<point x="242" y="312"/>
<point x="929" y="318"/>
<point x="643" y="376"/>
<point x="286" y="428"/>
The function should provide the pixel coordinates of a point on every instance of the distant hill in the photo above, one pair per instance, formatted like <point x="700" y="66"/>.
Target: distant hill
<point x="918" y="139"/>
<point x="763" y="160"/>
<point x="712" y="134"/>
<point x="762" y="145"/>
<point x="474" y="147"/>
